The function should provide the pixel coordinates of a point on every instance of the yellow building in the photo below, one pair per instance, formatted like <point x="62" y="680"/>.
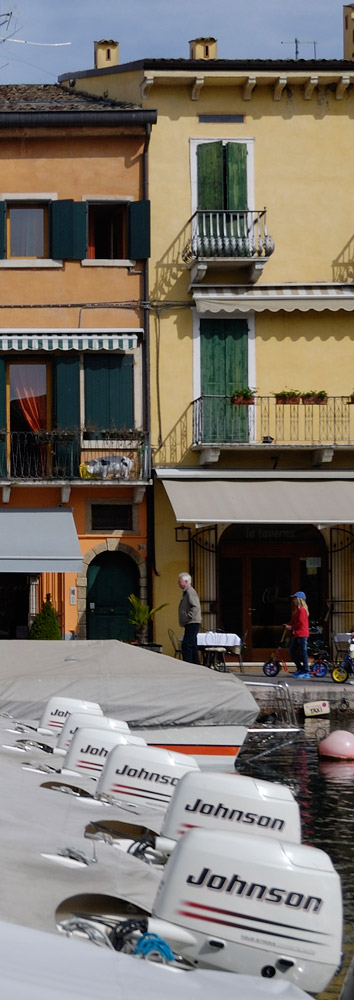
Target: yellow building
<point x="251" y="286"/>
<point x="74" y="444"/>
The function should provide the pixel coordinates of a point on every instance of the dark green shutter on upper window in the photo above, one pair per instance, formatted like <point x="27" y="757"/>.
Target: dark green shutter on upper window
<point x="222" y="176"/>
<point x="210" y="176"/>
<point x="109" y="395"/>
<point x="68" y="230"/>
<point x="139" y="230"/>
<point x="236" y="176"/>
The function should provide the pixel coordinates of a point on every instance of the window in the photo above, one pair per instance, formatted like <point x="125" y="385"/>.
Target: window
<point x="222" y="176"/>
<point x="107" y="231"/>
<point x="70" y="230"/>
<point x="27" y="230"/>
<point x="111" y="517"/>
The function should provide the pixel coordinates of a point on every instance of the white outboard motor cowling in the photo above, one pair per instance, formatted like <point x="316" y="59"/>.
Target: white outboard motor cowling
<point x="143" y="774"/>
<point x="89" y="750"/>
<point x="232" y="803"/>
<point x="79" y="720"/>
<point x="57" y="710"/>
<point x="252" y="905"/>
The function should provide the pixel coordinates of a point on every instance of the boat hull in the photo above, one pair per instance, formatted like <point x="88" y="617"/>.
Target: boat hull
<point x="214" y="747"/>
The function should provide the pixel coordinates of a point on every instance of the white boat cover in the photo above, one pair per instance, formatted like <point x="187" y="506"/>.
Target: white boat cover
<point x="142" y="687"/>
<point x="38" y="966"/>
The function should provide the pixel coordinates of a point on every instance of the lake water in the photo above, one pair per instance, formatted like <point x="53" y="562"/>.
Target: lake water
<point x="325" y="793"/>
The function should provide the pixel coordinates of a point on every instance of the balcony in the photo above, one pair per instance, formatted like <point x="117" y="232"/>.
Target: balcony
<point x="229" y="240"/>
<point x="217" y="424"/>
<point x="66" y="456"/>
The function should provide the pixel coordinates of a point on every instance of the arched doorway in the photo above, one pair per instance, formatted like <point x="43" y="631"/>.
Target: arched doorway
<point x="259" y="567"/>
<point x="111" y="577"/>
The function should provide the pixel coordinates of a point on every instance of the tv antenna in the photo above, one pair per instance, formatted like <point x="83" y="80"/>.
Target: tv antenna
<point x="299" y="41"/>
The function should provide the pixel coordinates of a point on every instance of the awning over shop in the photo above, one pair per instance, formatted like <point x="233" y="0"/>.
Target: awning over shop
<point x="70" y="340"/>
<point x="260" y="501"/>
<point x="41" y="540"/>
<point x="273" y="298"/>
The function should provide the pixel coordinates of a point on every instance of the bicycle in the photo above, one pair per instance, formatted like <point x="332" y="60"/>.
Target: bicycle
<point x="343" y="668"/>
<point x="318" y="663"/>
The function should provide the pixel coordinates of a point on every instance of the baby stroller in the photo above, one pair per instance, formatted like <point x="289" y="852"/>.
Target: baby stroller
<point x="276" y="661"/>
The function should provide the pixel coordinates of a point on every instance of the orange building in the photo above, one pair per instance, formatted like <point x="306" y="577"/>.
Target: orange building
<point x="74" y="442"/>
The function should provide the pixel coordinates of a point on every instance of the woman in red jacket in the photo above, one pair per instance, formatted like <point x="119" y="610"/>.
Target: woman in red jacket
<point x="299" y="629"/>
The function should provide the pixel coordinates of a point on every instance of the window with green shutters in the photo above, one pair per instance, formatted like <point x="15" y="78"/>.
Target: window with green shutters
<point x="222" y="198"/>
<point x="73" y="230"/>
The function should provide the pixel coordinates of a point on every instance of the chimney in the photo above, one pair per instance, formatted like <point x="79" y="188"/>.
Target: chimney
<point x="106" y="53"/>
<point x="203" y="48"/>
<point x="348" y="31"/>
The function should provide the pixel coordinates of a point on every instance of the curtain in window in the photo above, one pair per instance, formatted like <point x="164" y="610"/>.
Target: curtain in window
<point x="26" y="231"/>
<point x="28" y="388"/>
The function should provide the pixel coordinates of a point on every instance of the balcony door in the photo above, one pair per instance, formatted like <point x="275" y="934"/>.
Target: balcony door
<point x="224" y="367"/>
<point x="28" y="417"/>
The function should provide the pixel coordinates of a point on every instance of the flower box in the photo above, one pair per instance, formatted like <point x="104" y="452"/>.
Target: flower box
<point x="314" y="400"/>
<point x="242" y="400"/>
<point x="287" y="399"/>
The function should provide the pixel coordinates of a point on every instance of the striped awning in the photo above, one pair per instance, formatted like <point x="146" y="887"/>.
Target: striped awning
<point x="225" y="300"/>
<point x="125" y="340"/>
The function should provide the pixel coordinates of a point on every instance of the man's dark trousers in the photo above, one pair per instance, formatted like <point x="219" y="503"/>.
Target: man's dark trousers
<point x="189" y="643"/>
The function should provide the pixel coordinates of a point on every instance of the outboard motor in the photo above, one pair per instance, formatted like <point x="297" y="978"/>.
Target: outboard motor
<point x="143" y="774"/>
<point x="79" y="720"/>
<point x="235" y="804"/>
<point x="256" y="906"/>
<point x="57" y="710"/>
<point x="89" y="750"/>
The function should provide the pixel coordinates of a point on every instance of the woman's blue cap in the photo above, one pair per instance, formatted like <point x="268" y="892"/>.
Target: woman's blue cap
<point x="300" y="593"/>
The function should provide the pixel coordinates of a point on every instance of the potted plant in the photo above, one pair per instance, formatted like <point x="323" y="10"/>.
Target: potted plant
<point x="287" y="396"/>
<point x="350" y="400"/>
<point x="243" y="397"/>
<point x="316" y="396"/>
<point x="139" y="615"/>
<point x="45" y="624"/>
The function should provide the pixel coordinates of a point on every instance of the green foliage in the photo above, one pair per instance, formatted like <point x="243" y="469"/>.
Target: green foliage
<point x="245" y="393"/>
<point x="140" y="614"/>
<point x="45" y="625"/>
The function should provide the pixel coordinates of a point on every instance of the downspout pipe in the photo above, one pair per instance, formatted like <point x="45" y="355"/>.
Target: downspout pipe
<point x="146" y="382"/>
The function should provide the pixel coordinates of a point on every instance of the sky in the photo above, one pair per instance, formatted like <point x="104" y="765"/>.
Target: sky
<point x="245" y="29"/>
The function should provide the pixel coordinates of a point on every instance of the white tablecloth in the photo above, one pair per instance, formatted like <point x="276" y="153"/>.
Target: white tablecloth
<point x="229" y="640"/>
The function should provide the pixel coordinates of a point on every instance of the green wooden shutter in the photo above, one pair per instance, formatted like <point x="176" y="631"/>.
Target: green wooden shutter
<point x="2" y="230"/>
<point x="139" y="230"/>
<point x="210" y="176"/>
<point x="236" y="175"/>
<point x="68" y="230"/>
<point x="109" y="396"/>
<point x="66" y="393"/>
<point x="224" y="365"/>
<point x="66" y="399"/>
<point x="3" y="470"/>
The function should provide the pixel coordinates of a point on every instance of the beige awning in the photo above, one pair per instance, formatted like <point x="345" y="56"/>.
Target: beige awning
<point x="274" y="298"/>
<point x="213" y="501"/>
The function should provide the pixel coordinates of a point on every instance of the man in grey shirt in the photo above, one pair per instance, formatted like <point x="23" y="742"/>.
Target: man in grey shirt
<point x="189" y="616"/>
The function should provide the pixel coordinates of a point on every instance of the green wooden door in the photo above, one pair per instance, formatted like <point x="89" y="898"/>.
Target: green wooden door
<point x="111" y="577"/>
<point x="222" y="198"/>
<point x="224" y="366"/>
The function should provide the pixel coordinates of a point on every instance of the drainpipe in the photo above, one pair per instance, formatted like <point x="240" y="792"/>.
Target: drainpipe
<point x="150" y="554"/>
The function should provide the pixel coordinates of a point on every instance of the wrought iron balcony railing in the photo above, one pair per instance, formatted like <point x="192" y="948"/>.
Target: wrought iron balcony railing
<point x="217" y="422"/>
<point x="228" y="234"/>
<point x="69" y="455"/>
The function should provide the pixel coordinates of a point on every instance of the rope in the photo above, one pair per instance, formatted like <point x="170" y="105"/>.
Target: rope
<point x="152" y="943"/>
